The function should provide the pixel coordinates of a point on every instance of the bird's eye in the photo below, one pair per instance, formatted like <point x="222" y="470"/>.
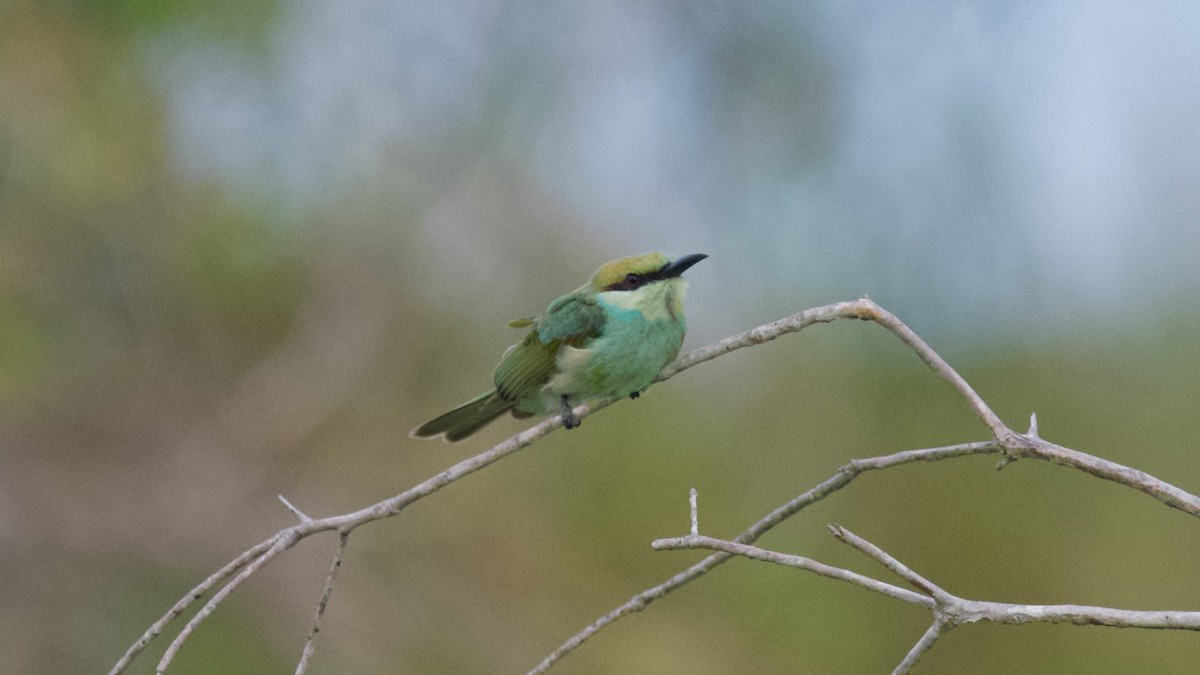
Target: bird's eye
<point x="630" y="282"/>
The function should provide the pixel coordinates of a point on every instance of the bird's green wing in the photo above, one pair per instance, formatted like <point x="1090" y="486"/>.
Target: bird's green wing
<point x="571" y="320"/>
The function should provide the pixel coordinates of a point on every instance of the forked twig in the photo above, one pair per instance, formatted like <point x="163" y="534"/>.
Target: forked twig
<point x="949" y="610"/>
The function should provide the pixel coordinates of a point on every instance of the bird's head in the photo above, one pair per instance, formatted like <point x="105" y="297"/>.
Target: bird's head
<point x="630" y="274"/>
<point x="637" y="280"/>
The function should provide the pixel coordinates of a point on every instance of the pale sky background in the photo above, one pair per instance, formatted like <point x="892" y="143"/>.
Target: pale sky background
<point x="982" y="169"/>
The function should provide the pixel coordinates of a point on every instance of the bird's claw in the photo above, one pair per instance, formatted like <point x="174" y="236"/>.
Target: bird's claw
<point x="569" y="419"/>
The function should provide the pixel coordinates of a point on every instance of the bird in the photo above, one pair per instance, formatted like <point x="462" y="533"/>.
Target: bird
<point x="609" y="337"/>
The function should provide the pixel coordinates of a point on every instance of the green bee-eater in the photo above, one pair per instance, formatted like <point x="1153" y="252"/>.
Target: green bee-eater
<point x="609" y="337"/>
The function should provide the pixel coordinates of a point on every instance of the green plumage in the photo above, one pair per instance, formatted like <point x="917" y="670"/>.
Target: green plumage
<point x="609" y="337"/>
<point x="465" y="419"/>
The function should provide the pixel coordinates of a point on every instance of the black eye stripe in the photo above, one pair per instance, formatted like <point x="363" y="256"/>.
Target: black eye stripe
<point x="632" y="281"/>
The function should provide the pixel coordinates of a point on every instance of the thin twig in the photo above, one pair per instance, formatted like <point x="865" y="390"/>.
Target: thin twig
<point x="695" y="513"/>
<point x="310" y="644"/>
<point x="949" y="610"/>
<point x="284" y="539"/>
<point x="788" y="560"/>
<point x="281" y="545"/>
<point x="938" y="364"/>
<point x="295" y="511"/>
<point x="186" y="601"/>
<point x="895" y="566"/>
<point x="840" y="479"/>
<point x="936" y="630"/>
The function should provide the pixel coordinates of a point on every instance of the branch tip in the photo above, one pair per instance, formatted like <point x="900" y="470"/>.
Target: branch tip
<point x="695" y="512"/>
<point x="1005" y="460"/>
<point x="295" y="511"/>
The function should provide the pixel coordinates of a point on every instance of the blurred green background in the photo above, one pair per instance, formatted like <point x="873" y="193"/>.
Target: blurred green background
<point x="245" y="247"/>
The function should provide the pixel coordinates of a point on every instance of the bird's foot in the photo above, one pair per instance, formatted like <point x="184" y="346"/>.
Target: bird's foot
<point x="569" y="419"/>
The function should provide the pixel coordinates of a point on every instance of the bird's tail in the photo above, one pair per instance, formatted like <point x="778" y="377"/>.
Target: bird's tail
<point x="464" y="420"/>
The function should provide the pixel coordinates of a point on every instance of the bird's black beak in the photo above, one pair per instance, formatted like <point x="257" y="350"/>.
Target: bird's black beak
<point x="680" y="265"/>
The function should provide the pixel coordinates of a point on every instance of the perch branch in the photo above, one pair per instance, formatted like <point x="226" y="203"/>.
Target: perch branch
<point x="1004" y="441"/>
<point x="262" y="553"/>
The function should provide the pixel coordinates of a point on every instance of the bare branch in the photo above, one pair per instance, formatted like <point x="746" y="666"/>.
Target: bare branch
<point x="936" y="630"/>
<point x="937" y="363"/>
<point x="1011" y="444"/>
<point x="898" y="568"/>
<point x="394" y="505"/>
<point x="295" y="511"/>
<point x="280" y="545"/>
<point x="1018" y="445"/>
<point x="949" y="610"/>
<point x="799" y="562"/>
<point x="970" y="611"/>
<point x="695" y="515"/>
<point x="1005" y="441"/>
<point x="310" y="644"/>
<point x="263" y="552"/>
<point x="186" y="601"/>
<point x="840" y="479"/>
